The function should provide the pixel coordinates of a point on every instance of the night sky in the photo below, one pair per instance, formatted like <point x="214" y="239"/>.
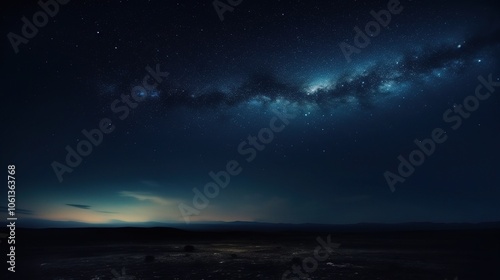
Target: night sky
<point x="333" y="123"/>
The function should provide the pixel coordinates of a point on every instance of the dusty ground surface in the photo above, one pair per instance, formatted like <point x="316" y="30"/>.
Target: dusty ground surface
<point x="249" y="256"/>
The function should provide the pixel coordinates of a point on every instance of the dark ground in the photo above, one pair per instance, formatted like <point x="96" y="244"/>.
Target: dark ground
<point x="120" y="253"/>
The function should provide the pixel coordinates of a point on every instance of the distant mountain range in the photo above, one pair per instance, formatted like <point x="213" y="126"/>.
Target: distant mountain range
<point x="264" y="227"/>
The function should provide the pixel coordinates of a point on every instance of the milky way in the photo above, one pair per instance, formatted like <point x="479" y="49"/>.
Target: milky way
<point x="361" y="85"/>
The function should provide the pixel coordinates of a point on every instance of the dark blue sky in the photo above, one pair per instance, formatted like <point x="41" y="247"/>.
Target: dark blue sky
<point x="220" y="82"/>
